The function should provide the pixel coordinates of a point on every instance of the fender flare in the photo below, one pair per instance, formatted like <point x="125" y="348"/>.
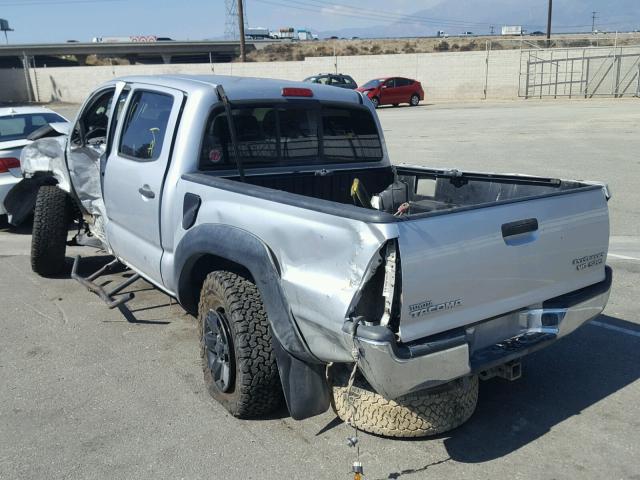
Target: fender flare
<point x="303" y="376"/>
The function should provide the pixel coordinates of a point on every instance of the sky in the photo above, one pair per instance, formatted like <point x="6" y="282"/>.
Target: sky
<point x="39" y="21"/>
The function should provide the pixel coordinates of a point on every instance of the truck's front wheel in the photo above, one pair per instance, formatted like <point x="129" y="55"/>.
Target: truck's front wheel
<point x="51" y="218"/>
<point x="238" y="359"/>
<point x="419" y="414"/>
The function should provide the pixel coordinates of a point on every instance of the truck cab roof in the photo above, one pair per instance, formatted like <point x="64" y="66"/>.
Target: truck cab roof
<point x="243" y="88"/>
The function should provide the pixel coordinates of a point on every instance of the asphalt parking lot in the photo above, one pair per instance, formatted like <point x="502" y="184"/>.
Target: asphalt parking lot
<point x="87" y="392"/>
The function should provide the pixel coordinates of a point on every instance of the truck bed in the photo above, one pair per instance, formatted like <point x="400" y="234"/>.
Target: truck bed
<point x="473" y="246"/>
<point x="429" y="191"/>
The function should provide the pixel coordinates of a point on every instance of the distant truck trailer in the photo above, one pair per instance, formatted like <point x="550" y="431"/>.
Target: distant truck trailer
<point x="131" y="39"/>
<point x="285" y="33"/>
<point x="257" y="33"/>
<point x="512" y="30"/>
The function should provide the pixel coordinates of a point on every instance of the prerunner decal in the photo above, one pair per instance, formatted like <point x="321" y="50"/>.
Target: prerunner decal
<point x="588" y="261"/>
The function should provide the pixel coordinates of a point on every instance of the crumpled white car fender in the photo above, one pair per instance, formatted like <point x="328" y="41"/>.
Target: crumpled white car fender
<point x="46" y="155"/>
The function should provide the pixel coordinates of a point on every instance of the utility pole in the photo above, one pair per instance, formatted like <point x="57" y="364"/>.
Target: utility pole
<point x="593" y="21"/>
<point x="549" y="21"/>
<point x="243" y="53"/>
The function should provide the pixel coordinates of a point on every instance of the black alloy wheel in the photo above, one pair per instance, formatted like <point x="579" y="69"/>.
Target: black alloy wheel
<point x="219" y="349"/>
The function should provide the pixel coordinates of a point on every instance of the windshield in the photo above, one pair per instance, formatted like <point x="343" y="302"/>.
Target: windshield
<point x="295" y="134"/>
<point x="18" y="127"/>
<point x="372" y="83"/>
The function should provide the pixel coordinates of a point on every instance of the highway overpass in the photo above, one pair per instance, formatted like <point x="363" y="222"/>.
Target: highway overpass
<point x="74" y="53"/>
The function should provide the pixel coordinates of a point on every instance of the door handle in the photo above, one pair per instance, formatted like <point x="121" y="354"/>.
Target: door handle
<point x="519" y="227"/>
<point x="146" y="191"/>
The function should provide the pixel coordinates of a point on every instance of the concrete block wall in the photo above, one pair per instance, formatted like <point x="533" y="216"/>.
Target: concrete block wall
<point x="13" y="86"/>
<point x="445" y="76"/>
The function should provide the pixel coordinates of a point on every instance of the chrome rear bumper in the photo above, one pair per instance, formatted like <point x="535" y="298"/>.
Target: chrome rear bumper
<point x="394" y="370"/>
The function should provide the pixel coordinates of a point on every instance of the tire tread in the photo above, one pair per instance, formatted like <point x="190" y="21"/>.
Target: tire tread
<point x="417" y="414"/>
<point x="258" y="391"/>
<point x="49" y="236"/>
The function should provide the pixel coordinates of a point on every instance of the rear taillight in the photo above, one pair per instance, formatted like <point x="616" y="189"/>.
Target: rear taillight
<point x="7" y="163"/>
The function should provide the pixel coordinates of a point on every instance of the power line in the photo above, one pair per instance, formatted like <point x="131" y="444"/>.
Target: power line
<point x="339" y="9"/>
<point x="55" y="2"/>
<point x="346" y="11"/>
<point x="387" y="14"/>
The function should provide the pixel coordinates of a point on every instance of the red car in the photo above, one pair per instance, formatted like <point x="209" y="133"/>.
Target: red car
<point x="393" y="91"/>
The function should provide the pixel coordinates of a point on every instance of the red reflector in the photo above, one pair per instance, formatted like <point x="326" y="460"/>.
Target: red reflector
<point x="297" y="92"/>
<point x="7" y="163"/>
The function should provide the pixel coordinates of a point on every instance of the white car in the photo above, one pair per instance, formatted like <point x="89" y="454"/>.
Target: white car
<point x="16" y="124"/>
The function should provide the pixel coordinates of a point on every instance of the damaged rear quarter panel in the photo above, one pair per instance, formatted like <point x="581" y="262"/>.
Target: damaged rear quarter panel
<point x="322" y="257"/>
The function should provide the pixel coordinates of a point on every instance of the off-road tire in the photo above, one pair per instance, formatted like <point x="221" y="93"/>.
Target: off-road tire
<point x="255" y="389"/>
<point x="51" y="218"/>
<point x="419" y="414"/>
<point x="414" y="100"/>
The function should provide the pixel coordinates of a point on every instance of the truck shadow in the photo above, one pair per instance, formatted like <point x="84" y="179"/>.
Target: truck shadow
<point x="23" y="229"/>
<point x="558" y="383"/>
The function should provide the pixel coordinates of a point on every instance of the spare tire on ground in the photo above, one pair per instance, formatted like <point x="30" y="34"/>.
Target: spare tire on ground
<point x="420" y="414"/>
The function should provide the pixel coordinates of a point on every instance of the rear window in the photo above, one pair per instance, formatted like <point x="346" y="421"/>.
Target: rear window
<point x="349" y="135"/>
<point x="280" y="135"/>
<point x="18" y="127"/>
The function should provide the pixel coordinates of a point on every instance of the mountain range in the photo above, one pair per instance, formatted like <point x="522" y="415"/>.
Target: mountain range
<point x="477" y="16"/>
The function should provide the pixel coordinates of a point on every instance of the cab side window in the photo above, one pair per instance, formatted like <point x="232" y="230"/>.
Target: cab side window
<point x="92" y="126"/>
<point x="145" y="125"/>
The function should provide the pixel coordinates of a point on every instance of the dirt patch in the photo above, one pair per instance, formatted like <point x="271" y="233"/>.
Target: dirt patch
<point x="290" y="51"/>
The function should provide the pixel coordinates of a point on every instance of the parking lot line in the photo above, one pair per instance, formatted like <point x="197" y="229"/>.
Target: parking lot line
<point x="626" y="331"/>
<point x="623" y="257"/>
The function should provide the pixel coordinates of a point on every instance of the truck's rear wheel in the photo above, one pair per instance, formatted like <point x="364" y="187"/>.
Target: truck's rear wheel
<point x="51" y="218"/>
<point x="238" y="359"/>
<point x="419" y="414"/>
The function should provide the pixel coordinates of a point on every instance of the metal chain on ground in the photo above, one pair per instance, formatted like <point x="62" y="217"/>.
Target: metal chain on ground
<point x="354" y="441"/>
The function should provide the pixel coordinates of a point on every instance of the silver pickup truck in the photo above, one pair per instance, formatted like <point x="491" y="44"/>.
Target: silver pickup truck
<point x="271" y="211"/>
